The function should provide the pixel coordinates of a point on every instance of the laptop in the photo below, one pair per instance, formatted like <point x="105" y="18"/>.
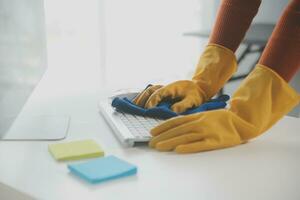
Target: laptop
<point x="129" y="129"/>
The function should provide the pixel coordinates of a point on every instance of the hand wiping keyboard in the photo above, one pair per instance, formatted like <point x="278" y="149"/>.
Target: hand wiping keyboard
<point x="163" y="110"/>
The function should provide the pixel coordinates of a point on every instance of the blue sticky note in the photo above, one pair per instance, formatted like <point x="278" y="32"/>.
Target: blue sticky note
<point x="103" y="169"/>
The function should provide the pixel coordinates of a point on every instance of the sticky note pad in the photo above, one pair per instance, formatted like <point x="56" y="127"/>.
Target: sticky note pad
<point x="103" y="169"/>
<point x="75" y="150"/>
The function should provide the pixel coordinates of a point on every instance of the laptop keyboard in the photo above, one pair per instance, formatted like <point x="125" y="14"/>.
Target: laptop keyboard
<point x="139" y="126"/>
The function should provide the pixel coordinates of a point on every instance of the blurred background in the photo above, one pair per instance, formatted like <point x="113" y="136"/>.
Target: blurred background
<point x="106" y="45"/>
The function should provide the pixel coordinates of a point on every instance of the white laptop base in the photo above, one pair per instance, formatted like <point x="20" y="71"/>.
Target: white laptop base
<point x="129" y="129"/>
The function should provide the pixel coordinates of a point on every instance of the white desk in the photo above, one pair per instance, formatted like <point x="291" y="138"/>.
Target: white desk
<point x="267" y="168"/>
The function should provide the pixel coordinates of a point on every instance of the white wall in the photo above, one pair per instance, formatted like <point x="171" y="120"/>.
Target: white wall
<point x="74" y="55"/>
<point x="144" y="42"/>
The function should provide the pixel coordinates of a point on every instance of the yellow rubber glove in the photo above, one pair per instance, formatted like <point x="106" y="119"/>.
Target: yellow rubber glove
<point x="216" y="66"/>
<point x="261" y="100"/>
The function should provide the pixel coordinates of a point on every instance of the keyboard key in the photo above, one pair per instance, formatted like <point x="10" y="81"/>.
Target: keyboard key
<point x="139" y="126"/>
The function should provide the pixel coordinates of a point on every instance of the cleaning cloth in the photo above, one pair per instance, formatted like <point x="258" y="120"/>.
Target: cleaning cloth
<point x="163" y="110"/>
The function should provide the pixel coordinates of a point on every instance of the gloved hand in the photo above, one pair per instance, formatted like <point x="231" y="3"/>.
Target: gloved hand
<point x="215" y="67"/>
<point x="261" y="100"/>
<point x="142" y="97"/>
<point x="163" y="111"/>
<point x="190" y="94"/>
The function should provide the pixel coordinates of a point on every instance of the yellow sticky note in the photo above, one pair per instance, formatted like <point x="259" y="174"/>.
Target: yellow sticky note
<point x="76" y="150"/>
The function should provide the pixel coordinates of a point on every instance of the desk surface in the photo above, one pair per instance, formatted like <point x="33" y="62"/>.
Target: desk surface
<point x="267" y="168"/>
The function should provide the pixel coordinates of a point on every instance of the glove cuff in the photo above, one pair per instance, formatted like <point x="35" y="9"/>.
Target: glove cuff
<point x="261" y="100"/>
<point x="215" y="67"/>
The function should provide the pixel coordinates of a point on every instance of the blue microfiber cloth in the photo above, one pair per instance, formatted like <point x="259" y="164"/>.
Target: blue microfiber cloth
<point x="163" y="110"/>
<point x="103" y="169"/>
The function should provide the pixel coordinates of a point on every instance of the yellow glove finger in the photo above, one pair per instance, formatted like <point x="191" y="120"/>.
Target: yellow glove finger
<point x="176" y="131"/>
<point x="186" y="103"/>
<point x="204" y="145"/>
<point x="158" y="96"/>
<point x="171" y="123"/>
<point x="142" y="98"/>
<point x="169" y="145"/>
